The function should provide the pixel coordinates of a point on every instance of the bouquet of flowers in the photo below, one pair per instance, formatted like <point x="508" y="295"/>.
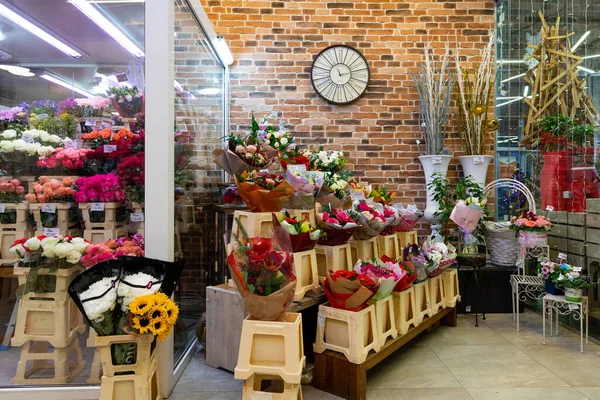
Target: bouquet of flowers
<point x="294" y="156"/>
<point x="97" y="139"/>
<point x="10" y="192"/>
<point x="432" y="259"/>
<point x="334" y="191"/>
<point x="327" y="161"/>
<point x="277" y="136"/>
<point x="112" y="249"/>
<point x="466" y="214"/>
<point x="264" y="192"/>
<point x="307" y="185"/>
<point x="153" y="314"/>
<point x="92" y="106"/>
<point x="42" y="137"/>
<point x="409" y="218"/>
<point x="349" y="290"/>
<point x="380" y="194"/>
<point x="370" y="219"/>
<point x="337" y="226"/>
<point x="530" y="222"/>
<point x="99" y="188"/>
<point x="263" y="271"/>
<point x="407" y="266"/>
<point x="388" y="273"/>
<point x="68" y="159"/>
<point x="131" y="172"/>
<point x="128" y="101"/>
<point x="13" y="118"/>
<point x="48" y="190"/>
<point x="550" y="270"/>
<point x="106" y="158"/>
<point x="302" y="235"/>
<point x="392" y="219"/>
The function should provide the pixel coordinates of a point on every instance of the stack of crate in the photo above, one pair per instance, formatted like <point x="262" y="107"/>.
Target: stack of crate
<point x="593" y="249"/>
<point x="568" y="236"/>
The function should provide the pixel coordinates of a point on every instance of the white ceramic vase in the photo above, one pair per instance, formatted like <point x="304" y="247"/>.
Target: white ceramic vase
<point x="432" y="164"/>
<point x="476" y="166"/>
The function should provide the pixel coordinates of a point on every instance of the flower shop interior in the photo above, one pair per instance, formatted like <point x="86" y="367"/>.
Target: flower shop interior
<point x="346" y="199"/>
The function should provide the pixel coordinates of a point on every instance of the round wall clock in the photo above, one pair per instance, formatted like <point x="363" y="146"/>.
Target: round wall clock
<point x="340" y="74"/>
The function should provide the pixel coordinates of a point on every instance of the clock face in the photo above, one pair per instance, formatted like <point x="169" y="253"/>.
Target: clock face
<point x="340" y="74"/>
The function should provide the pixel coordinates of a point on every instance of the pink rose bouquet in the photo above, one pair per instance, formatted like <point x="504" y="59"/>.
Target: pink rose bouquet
<point x="68" y="159"/>
<point x="371" y="220"/>
<point x="409" y="217"/>
<point x="392" y="219"/>
<point x="530" y="222"/>
<point x="388" y="274"/>
<point x="112" y="249"/>
<point x="99" y="188"/>
<point x="48" y="190"/>
<point x="11" y="191"/>
<point x="337" y="225"/>
<point x="93" y="106"/>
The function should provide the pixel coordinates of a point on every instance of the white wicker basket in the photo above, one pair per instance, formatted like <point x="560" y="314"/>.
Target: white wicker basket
<point x="502" y="243"/>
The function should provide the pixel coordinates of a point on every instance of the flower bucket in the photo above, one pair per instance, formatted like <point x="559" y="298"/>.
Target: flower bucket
<point x="573" y="295"/>
<point x="552" y="289"/>
<point x="554" y="180"/>
<point x="533" y="238"/>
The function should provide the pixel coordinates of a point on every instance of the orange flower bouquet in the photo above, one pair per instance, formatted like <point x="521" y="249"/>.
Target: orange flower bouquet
<point x="264" y="192"/>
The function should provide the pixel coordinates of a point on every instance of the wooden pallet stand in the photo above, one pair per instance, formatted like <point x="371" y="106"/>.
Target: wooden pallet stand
<point x="302" y="215"/>
<point x="134" y="386"/>
<point x="43" y="358"/>
<point x="437" y="296"/>
<point x="422" y="301"/>
<point x="64" y="226"/>
<point x="62" y="276"/>
<point x="307" y="273"/>
<point x="272" y="348"/>
<point x="255" y="224"/>
<point x="333" y="258"/>
<point x="7" y="238"/>
<point x="389" y="245"/>
<point x="407" y="238"/>
<point x="110" y="217"/>
<point x="451" y="287"/>
<point x="405" y="313"/>
<point x="364" y="249"/>
<point x="385" y="317"/>
<point x="352" y="333"/>
<point x="252" y="389"/>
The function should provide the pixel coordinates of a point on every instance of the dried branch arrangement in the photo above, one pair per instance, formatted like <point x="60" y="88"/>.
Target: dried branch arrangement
<point x="474" y="87"/>
<point x="435" y="87"/>
<point x="557" y="88"/>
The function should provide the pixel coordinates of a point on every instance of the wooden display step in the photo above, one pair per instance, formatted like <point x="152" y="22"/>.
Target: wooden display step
<point x="110" y="216"/>
<point x="336" y="375"/>
<point x="437" y="295"/>
<point x="272" y="348"/>
<point x="133" y="386"/>
<point x="62" y="277"/>
<point x="98" y="236"/>
<point x="352" y="333"/>
<point x="307" y="273"/>
<point x="142" y="347"/>
<point x="407" y="238"/>
<point x="386" y="319"/>
<point x="63" y="226"/>
<point x="21" y="211"/>
<point x="254" y="389"/>
<point x="7" y="238"/>
<point x="255" y="224"/>
<point x="451" y="287"/>
<point x="405" y="311"/>
<point x="364" y="249"/>
<point x="333" y="258"/>
<point x="389" y="246"/>
<point x="55" y="322"/>
<point x="44" y="359"/>
<point x="422" y="301"/>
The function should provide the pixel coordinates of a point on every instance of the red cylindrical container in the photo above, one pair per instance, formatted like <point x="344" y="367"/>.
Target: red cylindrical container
<point x="553" y="180"/>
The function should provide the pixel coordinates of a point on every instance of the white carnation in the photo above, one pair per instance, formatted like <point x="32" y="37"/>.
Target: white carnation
<point x="95" y="309"/>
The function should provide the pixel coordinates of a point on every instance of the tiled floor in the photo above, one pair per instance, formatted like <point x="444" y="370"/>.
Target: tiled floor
<point x="491" y="361"/>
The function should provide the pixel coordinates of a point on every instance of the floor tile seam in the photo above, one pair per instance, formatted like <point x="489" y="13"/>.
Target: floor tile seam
<point x="579" y="391"/>
<point x="451" y="373"/>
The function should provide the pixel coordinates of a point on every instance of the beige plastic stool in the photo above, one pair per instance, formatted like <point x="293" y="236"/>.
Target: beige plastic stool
<point x="132" y="387"/>
<point x="364" y="249"/>
<point x="44" y="358"/>
<point x="272" y="348"/>
<point x="352" y="333"/>
<point x="436" y="295"/>
<point x="333" y="258"/>
<point x="386" y="319"/>
<point x="302" y="215"/>
<point x="96" y="236"/>
<point x="405" y="310"/>
<point x="451" y="287"/>
<point x="7" y="238"/>
<point x="255" y="224"/>
<point x="144" y="353"/>
<point x="389" y="245"/>
<point x="307" y="273"/>
<point x="422" y="301"/>
<point x="62" y="278"/>
<point x="407" y="238"/>
<point x="253" y="385"/>
<point x="96" y="370"/>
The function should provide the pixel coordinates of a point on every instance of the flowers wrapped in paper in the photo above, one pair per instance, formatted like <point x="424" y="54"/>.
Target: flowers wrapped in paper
<point x="301" y="234"/>
<point x="349" y="290"/>
<point x="409" y="218"/>
<point x="381" y="195"/>
<point x="334" y="191"/>
<point x="409" y="272"/>
<point x="307" y="185"/>
<point x="293" y="156"/>
<point x="388" y="273"/>
<point x="392" y="219"/>
<point x="263" y="271"/>
<point x="432" y="259"/>
<point x="337" y="226"/>
<point x="370" y="219"/>
<point x="466" y="214"/>
<point x="264" y="192"/>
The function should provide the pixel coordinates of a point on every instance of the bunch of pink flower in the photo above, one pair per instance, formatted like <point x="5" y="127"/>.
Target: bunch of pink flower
<point x="386" y="273"/>
<point x="337" y="218"/>
<point x="48" y="190"/>
<point x="531" y="223"/>
<point x="370" y="212"/>
<point x="99" y="188"/>
<point x="96" y="102"/>
<point x="11" y="191"/>
<point x="68" y="159"/>
<point x="122" y="247"/>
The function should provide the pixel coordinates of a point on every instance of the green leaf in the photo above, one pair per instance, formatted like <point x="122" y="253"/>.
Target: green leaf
<point x="251" y="288"/>
<point x="254" y="124"/>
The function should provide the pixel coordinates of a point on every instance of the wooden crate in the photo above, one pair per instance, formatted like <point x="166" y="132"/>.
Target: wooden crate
<point x="224" y="318"/>
<point x="96" y="369"/>
<point x="333" y="258"/>
<point x="386" y="319"/>
<point x="364" y="249"/>
<point x="102" y="235"/>
<point x="255" y="224"/>
<point x="64" y="226"/>
<point x="437" y="296"/>
<point x="405" y="310"/>
<point x="422" y="301"/>
<point x="138" y="226"/>
<point x="253" y="389"/>
<point x="451" y="287"/>
<point x="407" y="238"/>
<point x="307" y="273"/>
<point x="110" y="216"/>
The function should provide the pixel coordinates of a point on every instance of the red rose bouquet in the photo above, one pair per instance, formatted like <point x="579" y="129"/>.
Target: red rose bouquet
<point x="337" y="226"/>
<point x="263" y="270"/>
<point x="293" y="155"/>
<point x="388" y="273"/>
<point x="131" y="172"/>
<point x="349" y="290"/>
<point x="264" y="192"/>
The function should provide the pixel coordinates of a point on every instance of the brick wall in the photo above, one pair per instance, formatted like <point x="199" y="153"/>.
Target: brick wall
<point x="274" y="43"/>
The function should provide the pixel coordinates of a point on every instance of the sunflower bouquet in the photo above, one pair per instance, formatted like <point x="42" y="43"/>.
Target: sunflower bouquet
<point x="153" y="314"/>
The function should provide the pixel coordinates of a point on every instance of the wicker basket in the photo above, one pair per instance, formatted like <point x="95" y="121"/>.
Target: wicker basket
<point x="502" y="244"/>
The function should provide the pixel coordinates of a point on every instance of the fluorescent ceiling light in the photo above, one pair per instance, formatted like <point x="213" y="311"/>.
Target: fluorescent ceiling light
<point x="15" y="70"/>
<point x="581" y="39"/>
<point x="223" y="50"/>
<point x="92" y="13"/>
<point x="508" y="102"/>
<point x="65" y="84"/>
<point x="509" y="97"/>
<point x="513" y="77"/>
<point x="511" y="62"/>
<point x="526" y="91"/>
<point x="592" y="56"/>
<point x="39" y="32"/>
<point x="584" y="69"/>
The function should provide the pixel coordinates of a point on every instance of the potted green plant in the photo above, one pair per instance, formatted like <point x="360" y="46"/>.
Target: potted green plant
<point x="573" y="284"/>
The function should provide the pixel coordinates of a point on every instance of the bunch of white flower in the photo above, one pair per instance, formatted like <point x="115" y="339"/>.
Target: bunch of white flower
<point x="96" y="309"/>
<point x="36" y="135"/>
<point x="128" y="293"/>
<point x="9" y="134"/>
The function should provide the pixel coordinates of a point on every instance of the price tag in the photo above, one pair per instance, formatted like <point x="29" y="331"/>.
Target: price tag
<point x="97" y="207"/>
<point x="264" y="171"/>
<point x="296" y="167"/>
<point x="41" y="116"/>
<point x="357" y="196"/>
<point x="51" y="232"/>
<point x="577" y="269"/>
<point x="478" y="160"/>
<point x="562" y="256"/>
<point x="2" y="208"/>
<point x="27" y="139"/>
<point x="436" y="160"/>
<point x="49" y="208"/>
<point x="105" y="125"/>
<point x="550" y="208"/>
<point x="137" y="217"/>
<point x="109" y="148"/>
<point x="90" y="122"/>
<point x="69" y="144"/>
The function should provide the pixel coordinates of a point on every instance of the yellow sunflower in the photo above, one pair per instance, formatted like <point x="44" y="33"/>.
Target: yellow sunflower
<point x="142" y="304"/>
<point x="164" y="335"/>
<point x="158" y="312"/>
<point x="172" y="312"/>
<point x="141" y="323"/>
<point x="158" y="327"/>
<point x="160" y="298"/>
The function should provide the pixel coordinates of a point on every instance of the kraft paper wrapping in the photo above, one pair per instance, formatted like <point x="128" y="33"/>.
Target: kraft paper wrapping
<point x="466" y="217"/>
<point x="231" y="163"/>
<point x="263" y="200"/>
<point x="333" y="237"/>
<point x="300" y="201"/>
<point x="345" y="294"/>
<point x="367" y="229"/>
<point x="299" y="242"/>
<point x="326" y="196"/>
